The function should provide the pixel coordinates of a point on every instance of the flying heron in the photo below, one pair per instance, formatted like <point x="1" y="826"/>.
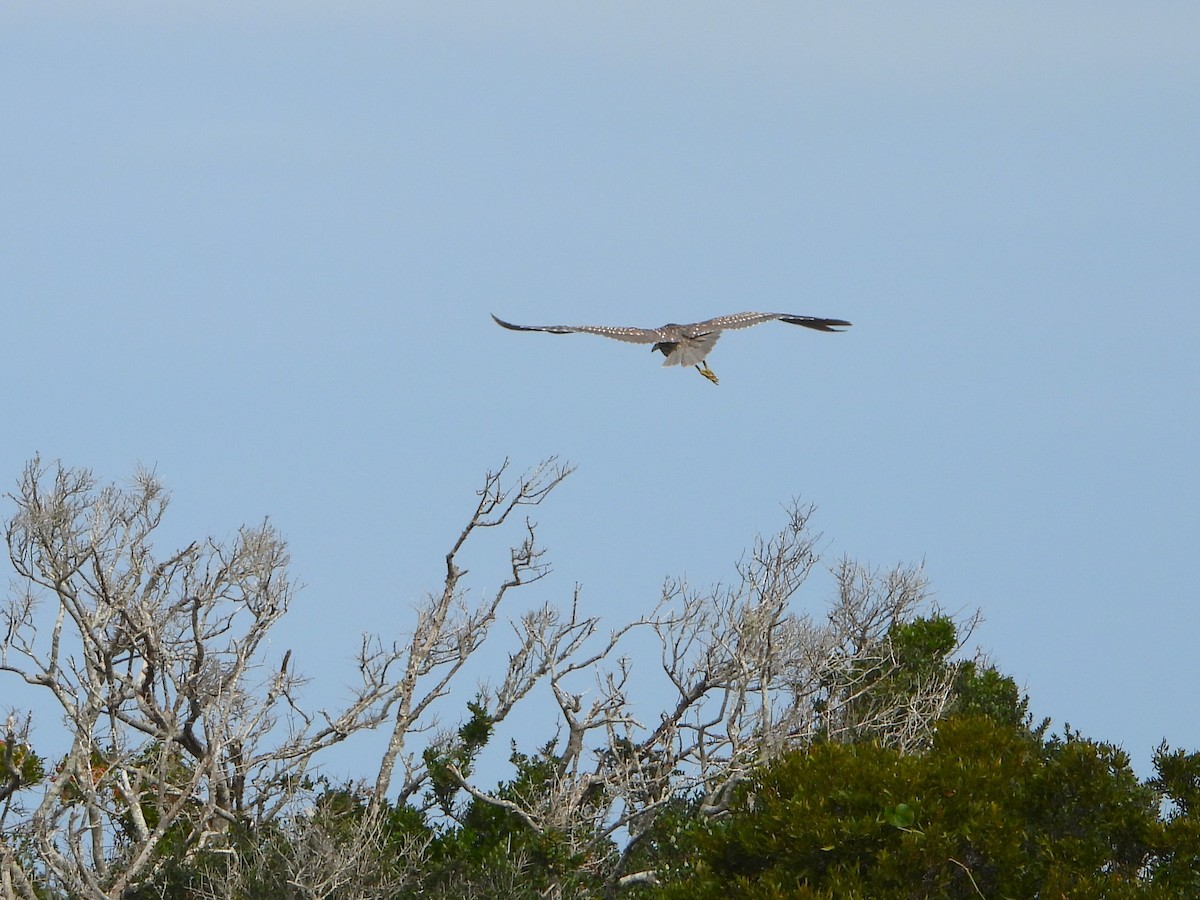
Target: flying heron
<point x="684" y="345"/>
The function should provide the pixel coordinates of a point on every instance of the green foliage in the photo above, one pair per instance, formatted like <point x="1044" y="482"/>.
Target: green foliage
<point x="494" y="850"/>
<point x="458" y="756"/>
<point x="20" y="767"/>
<point x="922" y="650"/>
<point x="1177" y="866"/>
<point x="988" y="693"/>
<point x="988" y="810"/>
<point x="915" y="655"/>
<point x="1178" y="779"/>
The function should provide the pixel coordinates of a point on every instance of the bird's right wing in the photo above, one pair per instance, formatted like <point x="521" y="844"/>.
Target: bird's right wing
<point x="815" y="322"/>
<point x="750" y="319"/>
<point x="631" y="335"/>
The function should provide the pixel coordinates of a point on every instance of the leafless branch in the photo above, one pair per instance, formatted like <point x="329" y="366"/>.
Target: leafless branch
<point x="183" y="724"/>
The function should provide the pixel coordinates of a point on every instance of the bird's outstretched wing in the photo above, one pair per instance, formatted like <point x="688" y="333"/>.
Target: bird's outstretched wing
<point x="631" y="335"/>
<point x="748" y="319"/>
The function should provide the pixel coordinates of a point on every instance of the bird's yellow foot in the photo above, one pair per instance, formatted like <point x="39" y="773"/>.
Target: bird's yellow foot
<point x="708" y="373"/>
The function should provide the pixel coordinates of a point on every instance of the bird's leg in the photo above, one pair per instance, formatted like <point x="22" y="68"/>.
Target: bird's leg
<point x="707" y="372"/>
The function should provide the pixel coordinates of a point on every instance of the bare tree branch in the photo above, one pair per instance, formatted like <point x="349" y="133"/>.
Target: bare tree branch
<point x="448" y="631"/>
<point x="184" y="727"/>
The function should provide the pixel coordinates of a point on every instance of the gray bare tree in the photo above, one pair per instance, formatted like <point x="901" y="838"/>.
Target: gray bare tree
<point x="750" y="676"/>
<point x="183" y="724"/>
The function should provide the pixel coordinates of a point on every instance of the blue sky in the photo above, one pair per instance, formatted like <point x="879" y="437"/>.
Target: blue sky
<point x="256" y="247"/>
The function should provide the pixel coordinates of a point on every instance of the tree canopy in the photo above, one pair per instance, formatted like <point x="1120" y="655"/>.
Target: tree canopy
<point x="854" y="753"/>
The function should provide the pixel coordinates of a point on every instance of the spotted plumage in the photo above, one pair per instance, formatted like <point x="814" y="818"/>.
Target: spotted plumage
<point x="684" y="345"/>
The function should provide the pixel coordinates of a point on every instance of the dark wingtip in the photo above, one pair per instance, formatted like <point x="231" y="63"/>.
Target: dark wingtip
<point x="509" y="325"/>
<point x="817" y="324"/>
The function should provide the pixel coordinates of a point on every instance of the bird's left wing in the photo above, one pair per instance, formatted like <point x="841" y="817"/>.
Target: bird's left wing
<point x="632" y="335"/>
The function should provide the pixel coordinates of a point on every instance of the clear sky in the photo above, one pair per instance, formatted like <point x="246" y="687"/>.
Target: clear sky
<point x="256" y="246"/>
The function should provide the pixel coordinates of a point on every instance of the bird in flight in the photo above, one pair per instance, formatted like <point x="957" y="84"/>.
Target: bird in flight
<point x="684" y="345"/>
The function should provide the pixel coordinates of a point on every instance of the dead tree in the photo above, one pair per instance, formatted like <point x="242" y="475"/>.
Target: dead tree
<point x="181" y="723"/>
<point x="750" y="676"/>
